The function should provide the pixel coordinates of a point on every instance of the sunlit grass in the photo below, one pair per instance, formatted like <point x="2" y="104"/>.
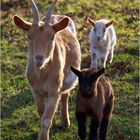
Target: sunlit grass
<point x="20" y="120"/>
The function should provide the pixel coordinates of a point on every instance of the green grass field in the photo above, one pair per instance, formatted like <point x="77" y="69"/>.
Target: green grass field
<point x="19" y="118"/>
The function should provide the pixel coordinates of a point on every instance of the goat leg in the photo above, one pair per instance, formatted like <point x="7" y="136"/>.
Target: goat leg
<point x="103" y="128"/>
<point x="65" y="122"/>
<point x="94" y="129"/>
<point x="46" y="120"/>
<point x="81" y="118"/>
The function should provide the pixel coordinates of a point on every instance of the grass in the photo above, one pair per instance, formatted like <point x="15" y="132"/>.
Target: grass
<point x="19" y="118"/>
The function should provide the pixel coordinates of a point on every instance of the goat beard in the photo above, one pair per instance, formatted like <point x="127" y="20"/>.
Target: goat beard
<point x="46" y="61"/>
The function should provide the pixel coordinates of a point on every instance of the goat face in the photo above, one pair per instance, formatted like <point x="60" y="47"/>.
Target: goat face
<point x="87" y="80"/>
<point x="85" y="84"/>
<point x="41" y="35"/>
<point x="41" y="40"/>
<point x="99" y="28"/>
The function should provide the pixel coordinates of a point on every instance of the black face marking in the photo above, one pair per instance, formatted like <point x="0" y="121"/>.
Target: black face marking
<point x="86" y="84"/>
<point x="87" y="80"/>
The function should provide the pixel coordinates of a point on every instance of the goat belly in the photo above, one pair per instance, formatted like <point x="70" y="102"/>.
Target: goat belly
<point x="69" y="81"/>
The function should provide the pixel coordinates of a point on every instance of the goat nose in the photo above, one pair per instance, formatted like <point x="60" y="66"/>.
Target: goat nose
<point x="98" y="38"/>
<point x="39" y="57"/>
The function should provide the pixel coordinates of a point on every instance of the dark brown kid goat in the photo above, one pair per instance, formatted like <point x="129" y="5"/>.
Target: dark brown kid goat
<point x="95" y="98"/>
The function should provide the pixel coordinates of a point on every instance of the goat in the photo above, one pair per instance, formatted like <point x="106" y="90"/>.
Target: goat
<point x="95" y="98"/>
<point x="102" y="41"/>
<point x="53" y="47"/>
<point x="56" y="18"/>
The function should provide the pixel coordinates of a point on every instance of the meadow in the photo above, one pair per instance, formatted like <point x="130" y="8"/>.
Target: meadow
<point x="19" y="118"/>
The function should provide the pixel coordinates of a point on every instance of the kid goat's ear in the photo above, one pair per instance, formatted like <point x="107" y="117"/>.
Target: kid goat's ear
<point x="22" y="24"/>
<point x="75" y="71"/>
<point x="109" y="23"/>
<point x="61" y="25"/>
<point x="91" y="22"/>
<point x="100" y="72"/>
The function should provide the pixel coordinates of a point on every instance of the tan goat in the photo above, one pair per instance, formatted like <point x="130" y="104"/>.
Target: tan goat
<point x="95" y="99"/>
<point x="53" y="48"/>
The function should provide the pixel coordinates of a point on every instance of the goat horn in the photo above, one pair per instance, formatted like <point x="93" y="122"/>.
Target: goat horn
<point x="35" y="12"/>
<point x="49" y="12"/>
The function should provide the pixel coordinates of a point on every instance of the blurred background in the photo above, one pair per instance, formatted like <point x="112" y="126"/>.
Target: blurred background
<point x="19" y="118"/>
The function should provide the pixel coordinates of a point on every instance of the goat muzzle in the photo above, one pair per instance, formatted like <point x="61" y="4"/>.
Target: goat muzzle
<point x="39" y="60"/>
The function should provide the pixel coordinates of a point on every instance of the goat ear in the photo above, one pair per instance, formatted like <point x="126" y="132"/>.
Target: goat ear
<point x="109" y="23"/>
<point x="43" y="18"/>
<point x="21" y="23"/>
<point x="75" y="71"/>
<point x="91" y="22"/>
<point x="100" y="72"/>
<point x="61" y="25"/>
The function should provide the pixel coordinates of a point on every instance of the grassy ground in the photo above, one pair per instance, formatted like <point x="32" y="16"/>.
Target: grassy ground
<point x="19" y="119"/>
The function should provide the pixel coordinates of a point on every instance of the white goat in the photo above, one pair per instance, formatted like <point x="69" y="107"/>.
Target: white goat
<point x="53" y="49"/>
<point x="102" y="41"/>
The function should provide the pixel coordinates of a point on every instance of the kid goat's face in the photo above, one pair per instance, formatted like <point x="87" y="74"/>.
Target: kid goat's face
<point x="87" y="80"/>
<point x="99" y="28"/>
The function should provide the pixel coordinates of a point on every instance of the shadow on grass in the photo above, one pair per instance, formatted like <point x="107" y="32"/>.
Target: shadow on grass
<point x="131" y="51"/>
<point x="5" y="6"/>
<point x="12" y="103"/>
<point x="32" y="136"/>
<point x="28" y="136"/>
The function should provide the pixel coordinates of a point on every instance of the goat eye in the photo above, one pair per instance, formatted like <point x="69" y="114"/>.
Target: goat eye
<point x="29" y="37"/>
<point x="94" y="29"/>
<point x="52" y="38"/>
